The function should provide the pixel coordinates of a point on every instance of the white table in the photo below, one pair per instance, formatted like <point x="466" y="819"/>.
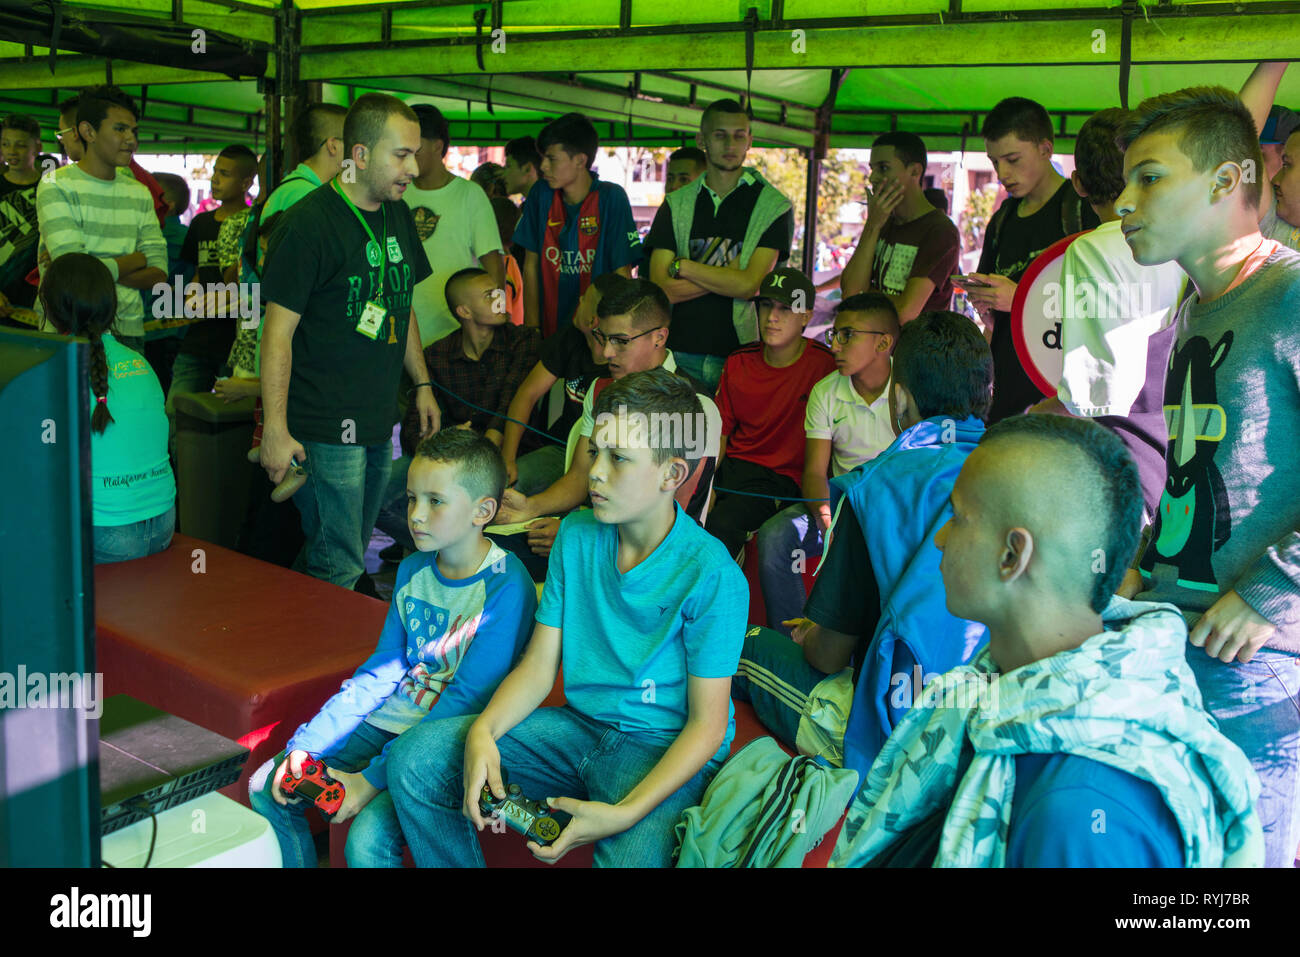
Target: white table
<point x="209" y="831"/>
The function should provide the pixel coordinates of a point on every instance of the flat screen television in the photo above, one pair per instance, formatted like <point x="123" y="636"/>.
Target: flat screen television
<point x="49" y="742"/>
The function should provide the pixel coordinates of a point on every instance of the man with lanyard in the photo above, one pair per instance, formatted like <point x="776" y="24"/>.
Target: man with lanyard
<point x="339" y="328"/>
<point x="713" y="241"/>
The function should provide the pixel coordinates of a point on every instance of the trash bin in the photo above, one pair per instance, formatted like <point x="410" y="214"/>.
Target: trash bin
<point x="212" y="467"/>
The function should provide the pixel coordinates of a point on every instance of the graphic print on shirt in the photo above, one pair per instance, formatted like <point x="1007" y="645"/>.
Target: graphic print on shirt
<point x="18" y="222"/>
<point x="397" y="291"/>
<point x="715" y="251"/>
<point x="895" y="265"/>
<point x="436" y="646"/>
<point x="426" y="222"/>
<point x="1194" y="521"/>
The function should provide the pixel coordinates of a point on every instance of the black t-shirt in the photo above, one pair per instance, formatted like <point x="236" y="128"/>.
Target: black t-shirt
<point x="19" y="237"/>
<point x="210" y="338"/>
<point x="567" y="356"/>
<point x="845" y="597"/>
<point x="703" y="325"/>
<point x="1019" y="241"/>
<point x="316" y="266"/>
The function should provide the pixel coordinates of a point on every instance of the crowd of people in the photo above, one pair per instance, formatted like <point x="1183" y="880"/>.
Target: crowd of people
<point x="1116" y="566"/>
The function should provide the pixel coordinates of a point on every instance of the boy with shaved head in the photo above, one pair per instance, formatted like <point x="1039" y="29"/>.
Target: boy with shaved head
<point x="1225" y="547"/>
<point x="1078" y="737"/>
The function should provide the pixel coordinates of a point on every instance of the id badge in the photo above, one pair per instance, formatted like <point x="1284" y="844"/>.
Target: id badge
<point x="372" y="320"/>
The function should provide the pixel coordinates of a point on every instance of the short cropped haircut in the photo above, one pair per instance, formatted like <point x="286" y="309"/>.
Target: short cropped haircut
<point x="947" y="366"/>
<point x="718" y="108"/>
<point x="523" y="150"/>
<point x="607" y="282"/>
<point x="908" y="147"/>
<point x="243" y="157"/>
<point x="1024" y="118"/>
<point x="479" y="468"/>
<point x="1213" y="126"/>
<point x="433" y="125"/>
<point x="876" y="303"/>
<point x="689" y="153"/>
<point x="454" y="281"/>
<point x="368" y="116"/>
<point x="1112" y="474"/>
<point x="94" y="101"/>
<point x="650" y="392"/>
<point x="311" y="127"/>
<point x="1097" y="157"/>
<point x="22" y="123"/>
<point x="175" y="190"/>
<point x="573" y="133"/>
<point x="640" y="299"/>
<point x="69" y="106"/>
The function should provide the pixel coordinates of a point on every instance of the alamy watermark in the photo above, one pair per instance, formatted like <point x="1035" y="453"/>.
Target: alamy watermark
<point x="658" y="430"/>
<point x="969" y="691"/>
<point x="64" y="690"/>
<point x="214" y="300"/>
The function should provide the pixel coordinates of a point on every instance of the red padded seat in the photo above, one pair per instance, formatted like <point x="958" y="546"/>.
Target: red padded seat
<point x="238" y="646"/>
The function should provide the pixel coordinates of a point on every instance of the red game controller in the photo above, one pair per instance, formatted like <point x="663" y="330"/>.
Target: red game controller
<point x="316" y="786"/>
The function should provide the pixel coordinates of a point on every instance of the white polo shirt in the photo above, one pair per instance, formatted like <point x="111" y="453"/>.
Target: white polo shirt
<point x="858" y="431"/>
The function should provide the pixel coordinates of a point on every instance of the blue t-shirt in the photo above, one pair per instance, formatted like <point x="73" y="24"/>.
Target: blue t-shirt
<point x="445" y="647"/>
<point x="130" y="474"/>
<point x="1070" y="811"/>
<point x="630" y="640"/>
<point x="619" y="245"/>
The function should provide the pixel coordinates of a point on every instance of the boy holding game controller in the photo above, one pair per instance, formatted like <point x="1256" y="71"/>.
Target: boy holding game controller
<point x="646" y="611"/>
<point x="458" y="619"/>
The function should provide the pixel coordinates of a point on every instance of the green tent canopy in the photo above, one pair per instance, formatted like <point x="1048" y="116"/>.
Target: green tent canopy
<point x="818" y="73"/>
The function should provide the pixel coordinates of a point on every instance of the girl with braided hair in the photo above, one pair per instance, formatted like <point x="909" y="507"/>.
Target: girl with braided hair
<point x="133" y="491"/>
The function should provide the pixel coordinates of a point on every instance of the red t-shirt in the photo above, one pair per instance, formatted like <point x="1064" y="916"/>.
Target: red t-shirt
<point x="763" y="408"/>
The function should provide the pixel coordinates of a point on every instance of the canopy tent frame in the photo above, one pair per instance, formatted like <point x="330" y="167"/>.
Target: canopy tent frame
<point x="657" y="65"/>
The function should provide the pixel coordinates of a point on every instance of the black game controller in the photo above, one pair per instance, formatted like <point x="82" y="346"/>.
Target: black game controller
<point x="535" y="820"/>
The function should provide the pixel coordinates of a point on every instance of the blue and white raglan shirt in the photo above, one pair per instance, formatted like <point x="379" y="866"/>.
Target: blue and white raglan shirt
<point x="445" y="647"/>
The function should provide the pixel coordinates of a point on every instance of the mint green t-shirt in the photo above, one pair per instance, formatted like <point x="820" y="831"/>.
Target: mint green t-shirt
<point x="130" y="475"/>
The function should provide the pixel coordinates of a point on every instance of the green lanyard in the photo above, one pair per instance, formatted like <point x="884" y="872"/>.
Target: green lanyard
<point x="379" y="248"/>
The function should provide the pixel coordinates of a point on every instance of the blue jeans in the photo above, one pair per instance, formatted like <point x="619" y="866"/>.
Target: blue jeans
<point x="701" y="367"/>
<point x="787" y="541"/>
<point x="339" y="505"/>
<point x="539" y="469"/>
<point x="392" y="513"/>
<point x="1257" y="706"/>
<point x="121" y="543"/>
<point x="375" y="838"/>
<point x="554" y="752"/>
<point x="190" y="373"/>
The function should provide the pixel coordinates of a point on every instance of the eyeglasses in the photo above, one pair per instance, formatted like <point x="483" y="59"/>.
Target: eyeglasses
<point x="619" y="342"/>
<point x="844" y="335"/>
<point x="59" y="135"/>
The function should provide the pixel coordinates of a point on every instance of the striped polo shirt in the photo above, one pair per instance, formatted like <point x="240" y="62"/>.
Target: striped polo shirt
<point x="80" y="213"/>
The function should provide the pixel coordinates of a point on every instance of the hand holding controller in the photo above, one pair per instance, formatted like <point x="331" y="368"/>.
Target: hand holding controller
<point x="315" y="785"/>
<point x="294" y="479"/>
<point x="536" y="820"/>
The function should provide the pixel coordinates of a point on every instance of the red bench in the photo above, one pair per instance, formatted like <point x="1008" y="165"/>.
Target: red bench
<point x="238" y="646"/>
<point x="251" y="650"/>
